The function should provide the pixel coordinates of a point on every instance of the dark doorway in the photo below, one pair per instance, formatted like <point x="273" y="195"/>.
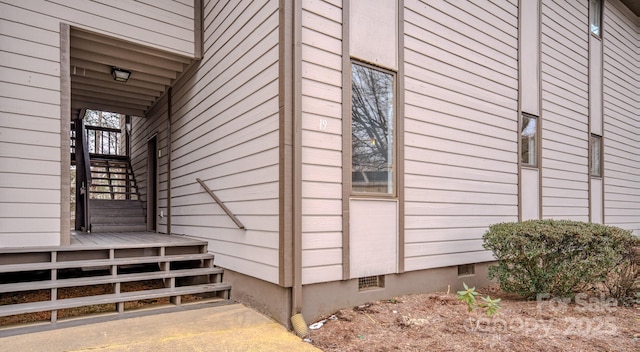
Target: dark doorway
<point x="152" y="184"/>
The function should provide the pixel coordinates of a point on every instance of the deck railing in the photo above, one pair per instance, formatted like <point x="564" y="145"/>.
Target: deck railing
<point x="104" y="140"/>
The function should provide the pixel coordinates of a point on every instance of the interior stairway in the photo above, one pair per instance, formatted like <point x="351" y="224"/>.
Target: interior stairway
<point x="114" y="204"/>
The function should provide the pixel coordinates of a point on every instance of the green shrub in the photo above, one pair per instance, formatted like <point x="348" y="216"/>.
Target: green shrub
<point x="622" y="281"/>
<point x="556" y="257"/>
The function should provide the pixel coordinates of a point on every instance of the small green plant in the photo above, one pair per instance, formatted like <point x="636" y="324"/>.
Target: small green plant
<point x="468" y="296"/>
<point x="491" y="305"/>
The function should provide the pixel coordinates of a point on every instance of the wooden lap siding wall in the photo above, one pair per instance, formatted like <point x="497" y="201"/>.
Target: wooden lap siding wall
<point x="224" y="131"/>
<point x="30" y="97"/>
<point x="321" y="141"/>
<point x="621" y="137"/>
<point x="460" y="128"/>
<point x="565" y="110"/>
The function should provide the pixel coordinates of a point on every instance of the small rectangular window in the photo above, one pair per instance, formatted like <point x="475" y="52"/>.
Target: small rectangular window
<point x="372" y="125"/>
<point x="595" y="157"/>
<point x="595" y="17"/>
<point x="466" y="270"/>
<point x="529" y="140"/>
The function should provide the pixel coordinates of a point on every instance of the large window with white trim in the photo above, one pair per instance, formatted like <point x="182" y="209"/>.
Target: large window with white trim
<point x="372" y="130"/>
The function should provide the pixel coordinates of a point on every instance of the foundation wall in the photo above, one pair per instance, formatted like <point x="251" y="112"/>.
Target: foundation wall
<point x="317" y="304"/>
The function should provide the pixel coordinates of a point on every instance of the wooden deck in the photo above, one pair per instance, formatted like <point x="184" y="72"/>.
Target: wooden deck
<point x="181" y="264"/>
<point x="128" y="240"/>
<point x="116" y="240"/>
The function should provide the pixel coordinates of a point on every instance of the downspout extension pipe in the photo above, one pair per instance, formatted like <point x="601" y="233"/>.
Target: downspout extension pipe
<point x="299" y="325"/>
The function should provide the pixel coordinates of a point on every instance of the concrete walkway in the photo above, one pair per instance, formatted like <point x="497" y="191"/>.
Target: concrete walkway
<point x="223" y="328"/>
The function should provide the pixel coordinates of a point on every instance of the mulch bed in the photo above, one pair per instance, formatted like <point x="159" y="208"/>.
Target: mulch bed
<point x="440" y="322"/>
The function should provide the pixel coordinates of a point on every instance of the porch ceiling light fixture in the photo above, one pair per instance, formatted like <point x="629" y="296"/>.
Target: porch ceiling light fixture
<point x="120" y="75"/>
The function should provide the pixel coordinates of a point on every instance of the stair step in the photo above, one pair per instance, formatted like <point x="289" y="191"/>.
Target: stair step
<point x="7" y="268"/>
<point x="125" y="172"/>
<point x="111" y="171"/>
<point x="108" y="162"/>
<point x="111" y="219"/>
<point x="33" y="307"/>
<point x="93" y="179"/>
<point x="114" y="192"/>
<point x="111" y="212"/>
<point x="122" y="161"/>
<point x="107" y="279"/>
<point x="118" y="204"/>
<point x="118" y="227"/>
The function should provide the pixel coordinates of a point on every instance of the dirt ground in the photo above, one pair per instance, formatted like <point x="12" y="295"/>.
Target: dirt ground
<point x="440" y="322"/>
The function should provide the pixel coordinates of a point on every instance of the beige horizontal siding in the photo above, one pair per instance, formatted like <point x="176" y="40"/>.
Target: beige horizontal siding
<point x="565" y="114"/>
<point x="621" y="120"/>
<point x="154" y="25"/>
<point x="30" y="94"/>
<point x="321" y="148"/>
<point x="225" y="132"/>
<point x="154" y="124"/>
<point x="29" y="132"/>
<point x="460" y="128"/>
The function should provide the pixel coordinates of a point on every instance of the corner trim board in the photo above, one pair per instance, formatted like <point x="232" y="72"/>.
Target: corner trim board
<point x="400" y="136"/>
<point x="65" y="126"/>
<point x="285" y="107"/>
<point x="346" y="141"/>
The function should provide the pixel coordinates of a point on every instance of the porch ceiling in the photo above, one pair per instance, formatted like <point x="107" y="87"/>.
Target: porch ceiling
<point x="93" y="87"/>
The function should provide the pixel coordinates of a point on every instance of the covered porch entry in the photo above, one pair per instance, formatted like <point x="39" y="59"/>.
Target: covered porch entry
<point x="117" y="81"/>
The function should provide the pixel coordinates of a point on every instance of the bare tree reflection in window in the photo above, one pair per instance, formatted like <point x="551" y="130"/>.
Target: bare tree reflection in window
<point x="528" y="140"/>
<point x="372" y="130"/>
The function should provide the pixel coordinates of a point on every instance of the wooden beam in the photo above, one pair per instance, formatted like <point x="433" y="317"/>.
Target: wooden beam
<point x="135" y="66"/>
<point x="101" y="100"/>
<point x="107" y="78"/>
<point x="79" y="33"/>
<point x="111" y="84"/>
<point x="115" y="96"/>
<point x="102" y="90"/>
<point x="115" y="51"/>
<point x="106" y="69"/>
<point x="105" y="107"/>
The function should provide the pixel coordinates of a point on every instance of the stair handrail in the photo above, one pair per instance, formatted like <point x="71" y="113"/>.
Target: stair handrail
<point x="83" y="175"/>
<point x="86" y="158"/>
<point x="224" y="207"/>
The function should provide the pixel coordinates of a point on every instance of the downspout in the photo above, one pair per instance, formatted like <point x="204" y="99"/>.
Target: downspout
<point x="290" y="227"/>
<point x="296" y="301"/>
